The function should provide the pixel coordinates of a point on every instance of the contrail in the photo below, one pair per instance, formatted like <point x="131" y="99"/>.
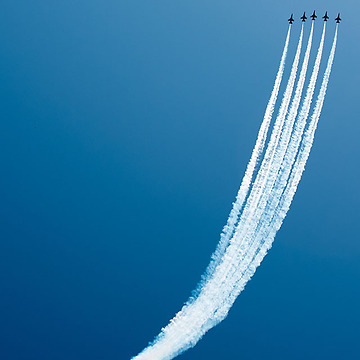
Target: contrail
<point x="265" y="234"/>
<point x="205" y="311"/>
<point x="292" y="149"/>
<point x="299" y="165"/>
<point x="246" y="249"/>
<point x="282" y="177"/>
<point x="286" y="159"/>
<point x="266" y="175"/>
<point x="308" y="139"/>
<point x="232" y="266"/>
<point x="228" y="229"/>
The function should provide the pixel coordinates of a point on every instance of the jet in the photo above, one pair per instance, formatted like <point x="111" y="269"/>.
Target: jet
<point x="325" y="17"/>
<point x="291" y="20"/>
<point x="313" y="16"/>
<point x="338" y="18"/>
<point x="303" y="18"/>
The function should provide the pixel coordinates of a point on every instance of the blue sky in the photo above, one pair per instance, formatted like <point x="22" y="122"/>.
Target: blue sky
<point x="125" y="131"/>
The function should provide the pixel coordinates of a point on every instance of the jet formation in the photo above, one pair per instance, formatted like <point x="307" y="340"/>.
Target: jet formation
<point x="313" y="17"/>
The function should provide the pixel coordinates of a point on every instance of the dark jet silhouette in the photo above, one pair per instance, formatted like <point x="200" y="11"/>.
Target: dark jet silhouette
<point x="303" y="18"/>
<point x="313" y="16"/>
<point x="291" y="20"/>
<point x="325" y="17"/>
<point x="338" y="19"/>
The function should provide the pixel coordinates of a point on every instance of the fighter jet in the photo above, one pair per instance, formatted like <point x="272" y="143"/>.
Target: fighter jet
<point x="313" y="16"/>
<point x="291" y="20"/>
<point x="325" y="17"/>
<point x="303" y="18"/>
<point x="338" y="18"/>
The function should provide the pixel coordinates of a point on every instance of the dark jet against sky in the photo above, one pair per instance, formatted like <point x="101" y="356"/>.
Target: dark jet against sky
<point x="338" y="19"/>
<point x="303" y="18"/>
<point x="325" y="17"/>
<point x="313" y="16"/>
<point x="291" y="20"/>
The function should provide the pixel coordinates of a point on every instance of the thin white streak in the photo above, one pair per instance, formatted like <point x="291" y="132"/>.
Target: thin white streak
<point x="228" y="229"/>
<point x="220" y="290"/>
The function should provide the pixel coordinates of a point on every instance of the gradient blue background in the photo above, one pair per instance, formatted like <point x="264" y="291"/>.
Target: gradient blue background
<point x="125" y="130"/>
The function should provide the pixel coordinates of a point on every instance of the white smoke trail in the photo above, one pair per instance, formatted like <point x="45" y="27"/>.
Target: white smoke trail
<point x="307" y="141"/>
<point x="228" y="273"/>
<point x="291" y="150"/>
<point x="267" y="172"/>
<point x="202" y="313"/>
<point x="269" y="233"/>
<point x="244" y="269"/>
<point x="217" y="295"/>
<point x="299" y="166"/>
<point x="228" y="229"/>
<point x="287" y="156"/>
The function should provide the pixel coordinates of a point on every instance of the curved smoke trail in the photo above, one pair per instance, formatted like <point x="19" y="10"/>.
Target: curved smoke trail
<point x="269" y="219"/>
<point x="198" y="314"/>
<point x="264" y="179"/>
<point x="307" y="141"/>
<point x="299" y="166"/>
<point x="231" y="274"/>
<point x="284" y="162"/>
<point x="228" y="229"/>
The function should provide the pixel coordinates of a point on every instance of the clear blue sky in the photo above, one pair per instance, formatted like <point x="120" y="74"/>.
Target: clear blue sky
<point x="125" y="130"/>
